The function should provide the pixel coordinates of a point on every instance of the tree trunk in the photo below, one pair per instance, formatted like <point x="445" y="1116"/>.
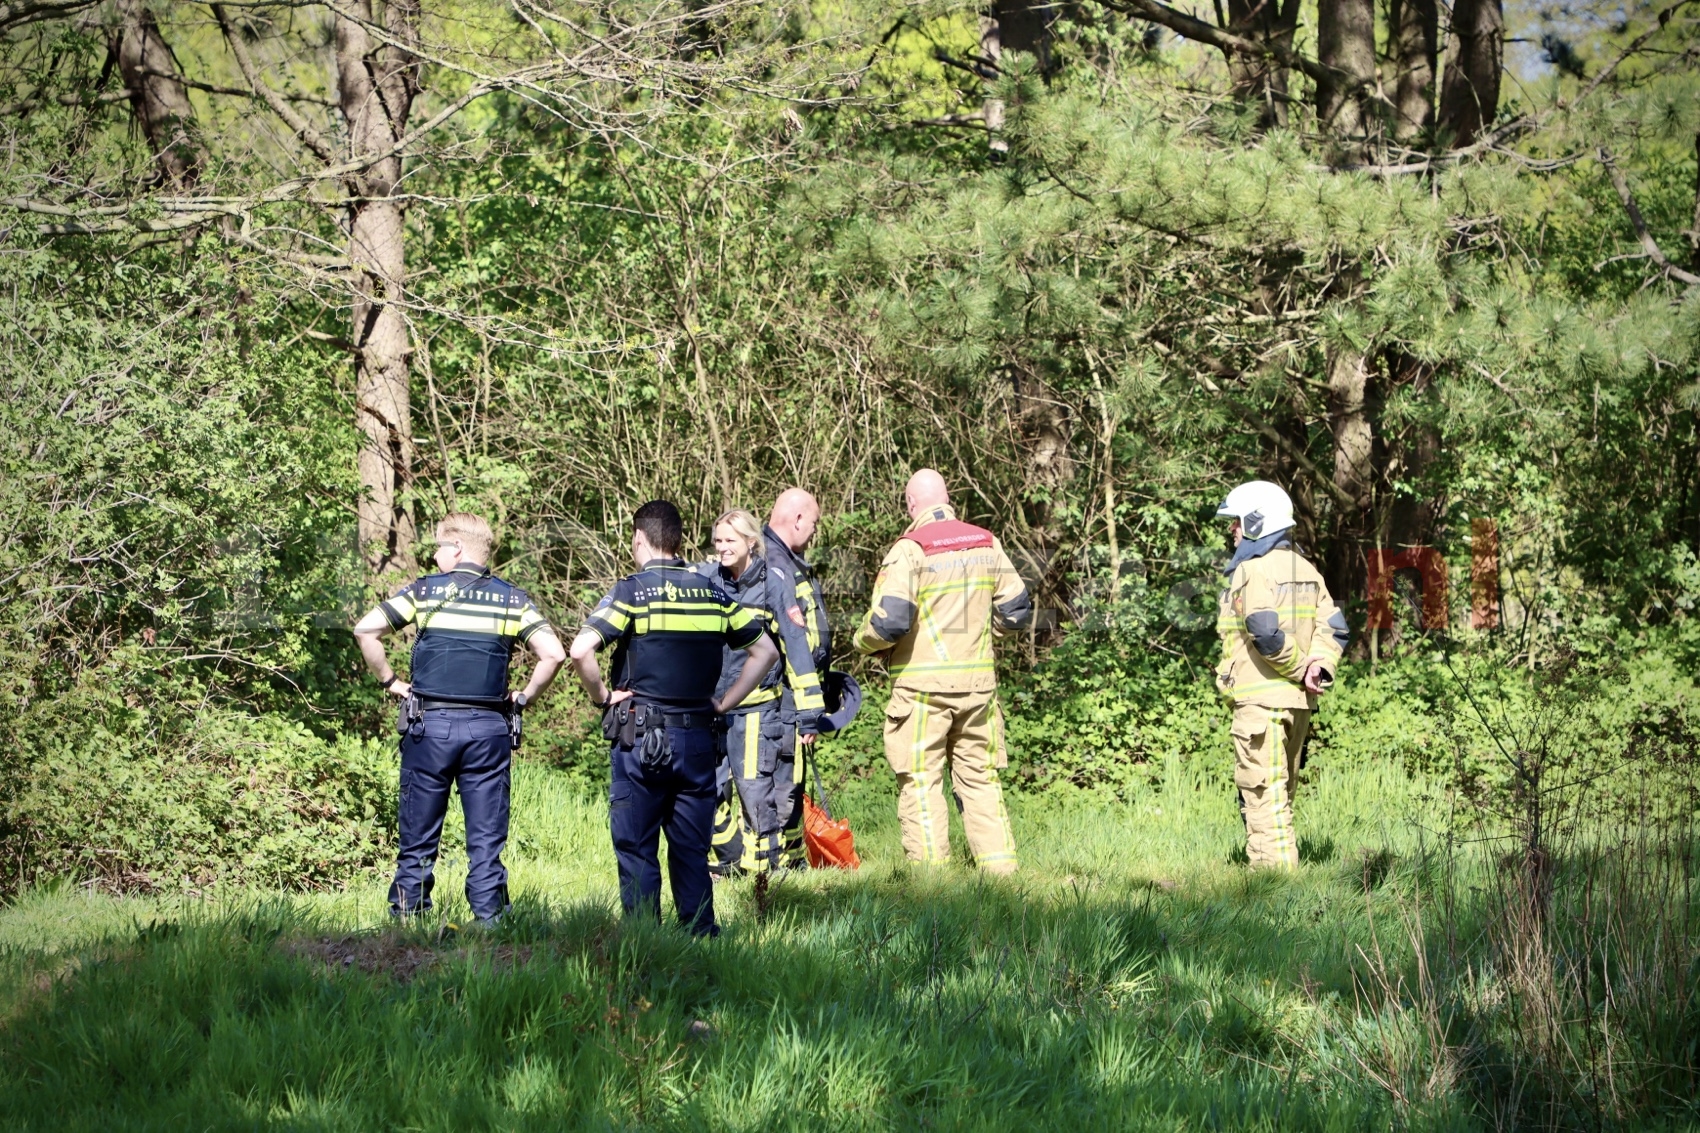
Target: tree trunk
<point x="1348" y="415"/>
<point x="1345" y="40"/>
<point x="1025" y="25"/>
<point x="157" y="95"/>
<point x="1693" y="233"/>
<point x="1014" y="25"/>
<point x="991" y="50"/>
<point x="1415" y="31"/>
<point x="376" y="86"/>
<point x="1346" y="564"/>
<point x="1262" y="81"/>
<point x="1469" y="93"/>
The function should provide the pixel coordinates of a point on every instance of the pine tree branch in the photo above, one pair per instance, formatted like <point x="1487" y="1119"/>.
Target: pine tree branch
<point x="1255" y="419"/>
<point x="1639" y="223"/>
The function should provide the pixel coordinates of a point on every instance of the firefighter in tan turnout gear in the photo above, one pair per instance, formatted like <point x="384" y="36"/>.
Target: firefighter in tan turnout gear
<point x="1282" y="639"/>
<point x="943" y="591"/>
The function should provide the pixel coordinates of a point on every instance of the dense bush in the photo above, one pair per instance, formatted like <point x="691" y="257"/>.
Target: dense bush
<point x="137" y="786"/>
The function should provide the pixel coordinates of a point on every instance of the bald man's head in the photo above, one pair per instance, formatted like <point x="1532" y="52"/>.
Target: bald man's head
<point x="925" y="489"/>
<point x="794" y="518"/>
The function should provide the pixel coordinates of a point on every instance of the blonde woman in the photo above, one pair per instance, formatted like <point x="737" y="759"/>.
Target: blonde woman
<point x="748" y="830"/>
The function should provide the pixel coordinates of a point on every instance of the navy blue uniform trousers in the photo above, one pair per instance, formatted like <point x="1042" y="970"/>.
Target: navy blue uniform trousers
<point x="677" y="797"/>
<point x="468" y="748"/>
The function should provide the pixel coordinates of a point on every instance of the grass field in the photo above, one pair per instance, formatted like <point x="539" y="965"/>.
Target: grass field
<point x="1132" y="976"/>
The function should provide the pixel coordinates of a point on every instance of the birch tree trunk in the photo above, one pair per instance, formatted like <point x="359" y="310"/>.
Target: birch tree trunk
<point x="376" y="84"/>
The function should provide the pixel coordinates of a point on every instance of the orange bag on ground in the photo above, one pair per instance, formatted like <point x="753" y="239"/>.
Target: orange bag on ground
<point x="828" y="840"/>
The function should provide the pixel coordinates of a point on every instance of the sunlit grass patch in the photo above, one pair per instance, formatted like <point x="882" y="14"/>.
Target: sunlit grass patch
<point x="1130" y="976"/>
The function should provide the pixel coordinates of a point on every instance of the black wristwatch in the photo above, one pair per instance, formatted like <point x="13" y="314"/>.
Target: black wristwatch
<point x="602" y="705"/>
<point x="519" y="700"/>
<point x="394" y="677"/>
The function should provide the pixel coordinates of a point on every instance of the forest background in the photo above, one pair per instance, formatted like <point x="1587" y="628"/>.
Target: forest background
<point x="284" y="281"/>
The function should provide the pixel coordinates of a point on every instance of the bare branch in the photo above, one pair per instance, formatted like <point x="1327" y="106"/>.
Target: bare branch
<point x="1635" y="45"/>
<point x="24" y="106"/>
<point x="238" y="92"/>
<point x="196" y="210"/>
<point x="1197" y="30"/>
<point x="32" y="11"/>
<point x="1639" y="223"/>
<point x="291" y="117"/>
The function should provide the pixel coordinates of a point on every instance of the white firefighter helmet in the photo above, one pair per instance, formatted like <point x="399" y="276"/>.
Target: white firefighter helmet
<point x="1261" y="507"/>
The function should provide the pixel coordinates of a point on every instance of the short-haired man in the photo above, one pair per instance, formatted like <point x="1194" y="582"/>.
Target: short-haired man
<point x="943" y="591"/>
<point x="668" y="625"/>
<point x="799" y="619"/>
<point x="459" y="705"/>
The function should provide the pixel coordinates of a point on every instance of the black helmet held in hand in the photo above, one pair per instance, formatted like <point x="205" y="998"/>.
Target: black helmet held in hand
<point x="843" y="698"/>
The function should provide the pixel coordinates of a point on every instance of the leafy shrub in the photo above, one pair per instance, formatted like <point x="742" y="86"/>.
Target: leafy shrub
<point x="148" y="785"/>
<point x="1127" y="692"/>
<point x="1389" y="713"/>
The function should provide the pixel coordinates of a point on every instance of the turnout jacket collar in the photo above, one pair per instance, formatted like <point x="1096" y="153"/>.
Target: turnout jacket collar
<point x="934" y="514"/>
<point x="780" y="553"/>
<point x="1250" y="549"/>
<point x="748" y="589"/>
<point x="753" y="573"/>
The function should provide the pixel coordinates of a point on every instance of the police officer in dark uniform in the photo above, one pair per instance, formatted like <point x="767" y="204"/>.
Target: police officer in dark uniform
<point x="459" y="720"/>
<point x="667" y="624"/>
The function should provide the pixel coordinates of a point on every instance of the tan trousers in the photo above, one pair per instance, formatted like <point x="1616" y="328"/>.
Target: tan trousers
<point x="1267" y="744"/>
<point x="924" y="731"/>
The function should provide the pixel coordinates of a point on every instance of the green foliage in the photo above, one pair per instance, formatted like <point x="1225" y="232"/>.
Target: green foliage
<point x="1590" y="740"/>
<point x="1112" y="705"/>
<point x="143" y="784"/>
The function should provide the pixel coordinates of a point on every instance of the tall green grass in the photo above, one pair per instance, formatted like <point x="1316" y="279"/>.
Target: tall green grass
<point x="1132" y="976"/>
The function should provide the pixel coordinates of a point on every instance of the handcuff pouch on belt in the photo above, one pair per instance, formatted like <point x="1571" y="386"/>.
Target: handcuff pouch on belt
<point x="410" y="718"/>
<point x="642" y="727"/>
